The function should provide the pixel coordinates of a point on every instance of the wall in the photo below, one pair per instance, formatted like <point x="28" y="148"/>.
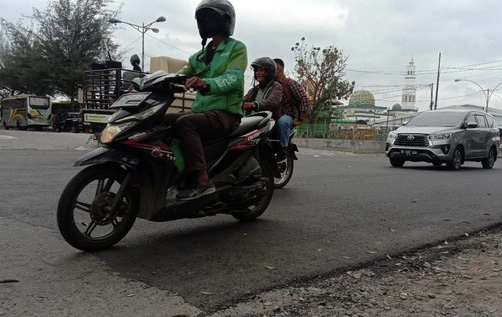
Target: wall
<point x="356" y="146"/>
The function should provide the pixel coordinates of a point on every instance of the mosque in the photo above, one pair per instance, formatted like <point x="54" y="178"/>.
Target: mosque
<point x="361" y="107"/>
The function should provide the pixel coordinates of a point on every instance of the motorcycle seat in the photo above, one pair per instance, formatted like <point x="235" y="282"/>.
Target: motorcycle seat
<point x="248" y="124"/>
<point x="251" y="122"/>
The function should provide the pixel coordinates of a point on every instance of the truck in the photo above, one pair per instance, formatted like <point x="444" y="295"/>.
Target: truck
<point x="100" y="88"/>
<point x="105" y="83"/>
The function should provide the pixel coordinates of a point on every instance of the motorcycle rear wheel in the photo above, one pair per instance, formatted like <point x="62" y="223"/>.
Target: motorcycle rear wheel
<point x="262" y="201"/>
<point x="83" y="216"/>
<point x="286" y="169"/>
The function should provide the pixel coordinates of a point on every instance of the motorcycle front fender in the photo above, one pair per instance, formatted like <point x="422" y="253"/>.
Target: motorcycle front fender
<point x="104" y="155"/>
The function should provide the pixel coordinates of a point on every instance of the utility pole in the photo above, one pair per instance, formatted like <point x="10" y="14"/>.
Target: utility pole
<point x="143" y="28"/>
<point x="488" y="93"/>
<point x="437" y="84"/>
<point x="487" y="99"/>
<point x="432" y="96"/>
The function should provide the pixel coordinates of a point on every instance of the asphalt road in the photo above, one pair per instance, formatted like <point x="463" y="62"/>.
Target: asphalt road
<point x="339" y="211"/>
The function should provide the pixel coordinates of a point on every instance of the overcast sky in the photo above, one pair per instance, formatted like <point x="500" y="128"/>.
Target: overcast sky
<point x="380" y="37"/>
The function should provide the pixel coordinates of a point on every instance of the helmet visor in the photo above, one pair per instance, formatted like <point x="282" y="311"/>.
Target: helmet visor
<point x="210" y="23"/>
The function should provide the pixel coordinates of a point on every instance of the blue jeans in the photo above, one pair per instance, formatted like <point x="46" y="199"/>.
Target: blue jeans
<point x="283" y="129"/>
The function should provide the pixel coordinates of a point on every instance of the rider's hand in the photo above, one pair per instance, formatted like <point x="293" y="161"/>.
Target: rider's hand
<point x="297" y="122"/>
<point x="195" y="83"/>
<point x="248" y="105"/>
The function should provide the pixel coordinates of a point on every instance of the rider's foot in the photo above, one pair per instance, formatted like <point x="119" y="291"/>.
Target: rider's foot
<point x="196" y="191"/>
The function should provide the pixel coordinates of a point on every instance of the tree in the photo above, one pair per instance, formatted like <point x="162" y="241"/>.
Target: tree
<point x="69" y="36"/>
<point x="21" y="68"/>
<point x="321" y="71"/>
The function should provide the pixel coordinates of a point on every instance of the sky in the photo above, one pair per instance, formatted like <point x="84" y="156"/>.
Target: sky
<point x="379" y="37"/>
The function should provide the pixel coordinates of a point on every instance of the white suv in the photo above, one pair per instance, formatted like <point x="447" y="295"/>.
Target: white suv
<point x="450" y="136"/>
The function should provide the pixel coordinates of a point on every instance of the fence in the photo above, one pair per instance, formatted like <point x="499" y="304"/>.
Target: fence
<point x="324" y="130"/>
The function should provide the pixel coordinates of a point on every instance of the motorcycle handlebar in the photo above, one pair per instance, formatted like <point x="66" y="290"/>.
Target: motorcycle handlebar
<point x="178" y="87"/>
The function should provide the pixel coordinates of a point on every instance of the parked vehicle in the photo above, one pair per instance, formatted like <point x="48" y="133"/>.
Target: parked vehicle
<point x="68" y="122"/>
<point x="139" y="167"/>
<point x="25" y="112"/>
<point x="102" y="85"/>
<point x="450" y="136"/>
<point x="286" y="166"/>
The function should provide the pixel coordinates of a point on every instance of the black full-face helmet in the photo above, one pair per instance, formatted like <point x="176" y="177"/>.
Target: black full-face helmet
<point x="134" y="59"/>
<point x="135" y="62"/>
<point x="215" y="17"/>
<point x="266" y="63"/>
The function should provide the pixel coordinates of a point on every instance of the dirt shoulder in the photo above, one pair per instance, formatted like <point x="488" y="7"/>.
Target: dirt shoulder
<point x="452" y="278"/>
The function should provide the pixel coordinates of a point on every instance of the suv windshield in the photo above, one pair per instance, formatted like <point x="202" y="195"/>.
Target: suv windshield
<point x="436" y="119"/>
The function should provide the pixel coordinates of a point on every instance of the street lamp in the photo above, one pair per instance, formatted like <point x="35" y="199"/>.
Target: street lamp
<point x="487" y="93"/>
<point x="142" y="29"/>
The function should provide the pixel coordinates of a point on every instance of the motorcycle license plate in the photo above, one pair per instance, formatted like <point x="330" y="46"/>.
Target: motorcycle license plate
<point x="130" y="100"/>
<point x="409" y="152"/>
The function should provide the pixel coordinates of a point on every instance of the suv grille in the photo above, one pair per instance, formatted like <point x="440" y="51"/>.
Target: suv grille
<point x="412" y="140"/>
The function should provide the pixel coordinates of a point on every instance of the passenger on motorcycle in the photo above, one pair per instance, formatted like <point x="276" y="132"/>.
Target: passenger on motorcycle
<point x="217" y="73"/>
<point x="267" y="94"/>
<point x="294" y="107"/>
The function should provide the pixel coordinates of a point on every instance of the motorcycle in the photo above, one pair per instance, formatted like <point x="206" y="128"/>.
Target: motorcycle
<point x="139" y="167"/>
<point x="285" y="166"/>
<point x="69" y="122"/>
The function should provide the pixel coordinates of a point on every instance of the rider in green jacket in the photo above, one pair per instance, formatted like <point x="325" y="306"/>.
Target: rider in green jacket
<point x="217" y="73"/>
<point x="224" y="76"/>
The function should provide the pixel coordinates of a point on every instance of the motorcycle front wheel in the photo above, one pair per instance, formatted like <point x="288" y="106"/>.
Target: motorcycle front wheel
<point x="263" y="198"/>
<point x="86" y="218"/>
<point x="286" y="169"/>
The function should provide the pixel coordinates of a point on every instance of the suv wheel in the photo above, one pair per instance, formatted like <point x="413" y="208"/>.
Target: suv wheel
<point x="458" y="159"/>
<point x="490" y="160"/>
<point x="396" y="162"/>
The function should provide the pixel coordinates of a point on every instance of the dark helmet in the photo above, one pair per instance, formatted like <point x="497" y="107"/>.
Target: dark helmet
<point x="266" y="63"/>
<point x="134" y="60"/>
<point x="215" y="17"/>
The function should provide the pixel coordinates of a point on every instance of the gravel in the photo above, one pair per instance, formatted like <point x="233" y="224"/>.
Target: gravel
<point x="452" y="278"/>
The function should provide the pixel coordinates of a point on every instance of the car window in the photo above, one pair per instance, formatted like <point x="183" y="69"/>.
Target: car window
<point x="491" y="121"/>
<point x="437" y="119"/>
<point x="470" y="119"/>
<point x="480" y="119"/>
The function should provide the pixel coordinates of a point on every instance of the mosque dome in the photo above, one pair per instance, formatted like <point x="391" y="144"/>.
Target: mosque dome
<point x="362" y="98"/>
<point x="397" y="107"/>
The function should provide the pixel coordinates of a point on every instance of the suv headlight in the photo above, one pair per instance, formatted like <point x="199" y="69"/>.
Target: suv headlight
<point x="391" y="137"/>
<point x="440" y="136"/>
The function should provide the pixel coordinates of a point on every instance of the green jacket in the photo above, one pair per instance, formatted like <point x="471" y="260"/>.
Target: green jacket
<point x="224" y="75"/>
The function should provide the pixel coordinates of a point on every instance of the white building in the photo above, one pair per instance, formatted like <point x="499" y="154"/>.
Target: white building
<point x="409" y="94"/>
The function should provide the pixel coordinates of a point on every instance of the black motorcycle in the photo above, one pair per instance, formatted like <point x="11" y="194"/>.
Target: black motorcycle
<point x="68" y="122"/>
<point x="139" y="167"/>
<point x="285" y="166"/>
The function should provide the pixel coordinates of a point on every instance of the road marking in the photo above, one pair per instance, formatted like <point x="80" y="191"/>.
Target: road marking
<point x="7" y="137"/>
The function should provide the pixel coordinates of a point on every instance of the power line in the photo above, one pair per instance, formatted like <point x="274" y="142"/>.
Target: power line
<point x="170" y="45"/>
<point x="451" y="69"/>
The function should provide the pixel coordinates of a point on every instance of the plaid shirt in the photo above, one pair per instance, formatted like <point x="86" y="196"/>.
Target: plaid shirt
<point x="299" y="102"/>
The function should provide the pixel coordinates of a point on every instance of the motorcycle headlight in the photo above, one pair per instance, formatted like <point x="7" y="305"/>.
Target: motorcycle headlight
<point x="111" y="131"/>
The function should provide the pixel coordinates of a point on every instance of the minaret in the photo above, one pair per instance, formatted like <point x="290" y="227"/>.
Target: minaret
<point x="409" y="90"/>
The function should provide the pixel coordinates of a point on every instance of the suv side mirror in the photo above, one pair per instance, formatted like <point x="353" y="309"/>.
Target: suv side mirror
<point x="472" y="124"/>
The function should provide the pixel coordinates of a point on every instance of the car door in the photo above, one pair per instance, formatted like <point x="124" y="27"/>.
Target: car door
<point x="482" y="136"/>
<point x="488" y="133"/>
<point x="470" y="136"/>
